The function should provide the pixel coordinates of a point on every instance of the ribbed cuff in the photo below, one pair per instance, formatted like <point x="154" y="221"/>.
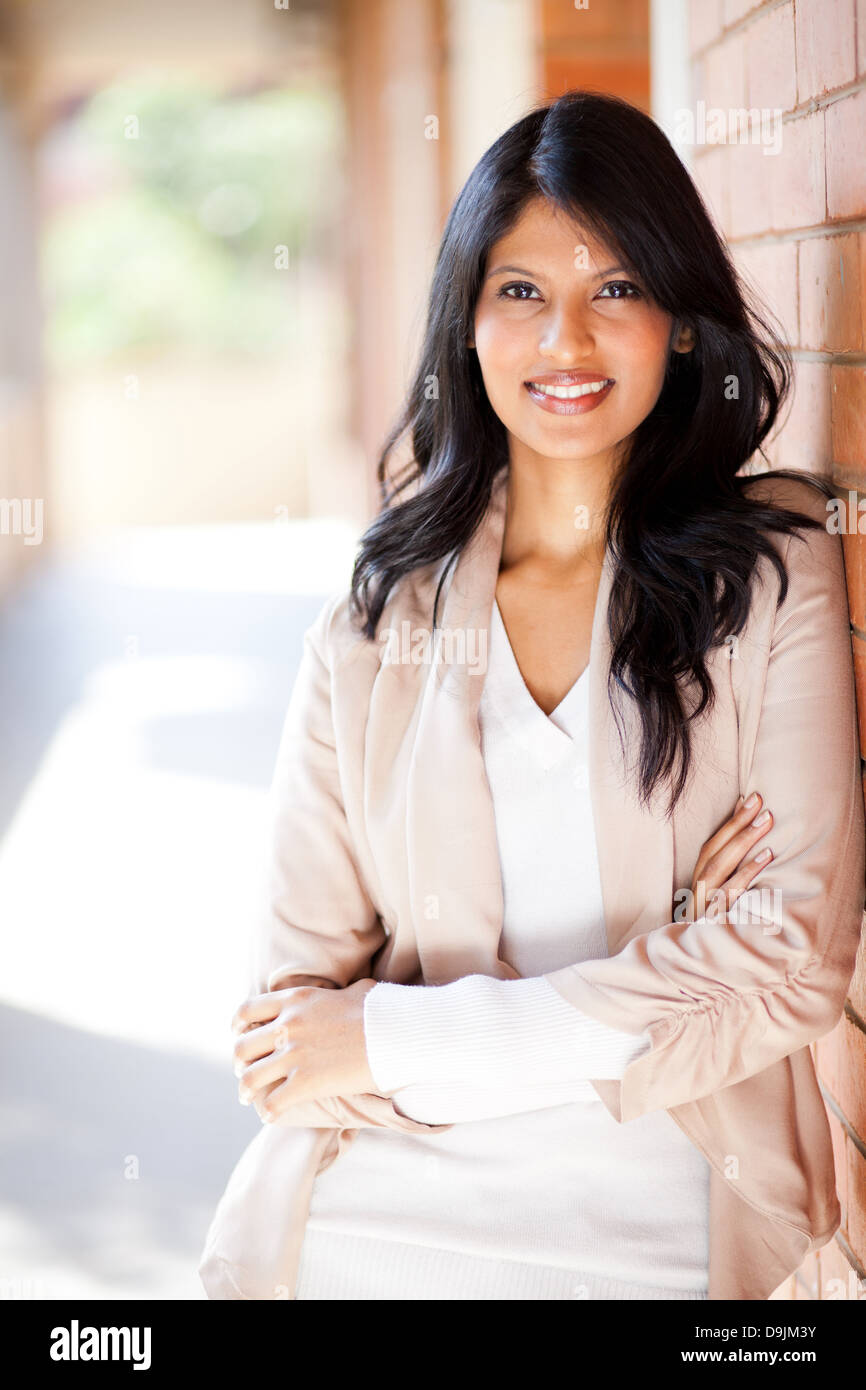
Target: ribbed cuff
<point x="482" y="1032"/>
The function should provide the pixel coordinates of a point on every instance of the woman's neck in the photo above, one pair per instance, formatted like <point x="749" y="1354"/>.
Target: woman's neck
<point x="555" y="515"/>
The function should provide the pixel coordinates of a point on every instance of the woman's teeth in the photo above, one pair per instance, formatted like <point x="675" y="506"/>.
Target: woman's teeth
<point x="571" y="393"/>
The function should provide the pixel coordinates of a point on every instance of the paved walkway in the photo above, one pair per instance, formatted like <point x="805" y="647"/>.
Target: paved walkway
<point x="143" y="685"/>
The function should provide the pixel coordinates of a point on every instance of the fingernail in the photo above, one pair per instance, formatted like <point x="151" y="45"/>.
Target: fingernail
<point x="764" y="816"/>
<point x="738" y="802"/>
<point x="246" y="1097"/>
<point x="753" y="799"/>
<point x="765" y="854"/>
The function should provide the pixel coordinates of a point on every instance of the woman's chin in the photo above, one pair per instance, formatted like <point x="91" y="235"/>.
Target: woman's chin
<point x="562" y="445"/>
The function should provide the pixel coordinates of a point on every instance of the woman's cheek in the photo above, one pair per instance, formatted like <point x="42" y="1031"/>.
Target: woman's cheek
<point x="501" y="391"/>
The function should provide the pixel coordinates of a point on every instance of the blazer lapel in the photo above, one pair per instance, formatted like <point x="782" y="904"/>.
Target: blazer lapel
<point x="455" y="882"/>
<point x="453" y="859"/>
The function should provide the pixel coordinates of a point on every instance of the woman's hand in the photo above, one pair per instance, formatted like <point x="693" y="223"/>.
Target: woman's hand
<point x="722" y="865"/>
<point x="301" y="1043"/>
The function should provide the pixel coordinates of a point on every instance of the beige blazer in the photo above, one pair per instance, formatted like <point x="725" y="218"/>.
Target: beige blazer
<point x="384" y="864"/>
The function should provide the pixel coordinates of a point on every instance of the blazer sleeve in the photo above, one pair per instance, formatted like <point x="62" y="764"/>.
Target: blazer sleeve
<point x="723" y="1001"/>
<point x="316" y="923"/>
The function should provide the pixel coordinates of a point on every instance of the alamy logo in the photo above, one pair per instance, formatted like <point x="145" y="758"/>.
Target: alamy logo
<point x="714" y="125"/>
<point x="22" y="516"/>
<point x="76" y="1343"/>
<point x="417" y="646"/>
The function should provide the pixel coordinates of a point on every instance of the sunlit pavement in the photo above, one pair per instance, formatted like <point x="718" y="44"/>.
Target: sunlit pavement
<point x="143" y="684"/>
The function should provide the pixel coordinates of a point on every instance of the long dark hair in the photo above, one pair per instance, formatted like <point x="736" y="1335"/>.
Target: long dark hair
<point x="684" y="536"/>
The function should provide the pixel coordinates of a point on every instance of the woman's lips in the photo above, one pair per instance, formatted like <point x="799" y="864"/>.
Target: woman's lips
<point x="579" y="406"/>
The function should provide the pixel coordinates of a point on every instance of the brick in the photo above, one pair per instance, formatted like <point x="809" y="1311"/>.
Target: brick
<point x="846" y="167"/>
<point x="831" y="317"/>
<point x="854" y="555"/>
<point x="805" y="441"/>
<point x="857" y="991"/>
<point x="621" y="75"/>
<point x="827" y="1065"/>
<point x="709" y="176"/>
<point x="770" y="61"/>
<point x="562" y="23"/>
<point x="826" y="55"/>
<point x="705" y="22"/>
<point x="723" y="74"/>
<point x="848" y="419"/>
<point x="798" y="178"/>
<point x="856" y="1229"/>
<point x="771" y="270"/>
<point x="835" y="1270"/>
<point x="840" y="1159"/>
<point x="750" y="175"/>
<point x="852" y="1076"/>
<point x="735" y="10"/>
<point x="859" y="650"/>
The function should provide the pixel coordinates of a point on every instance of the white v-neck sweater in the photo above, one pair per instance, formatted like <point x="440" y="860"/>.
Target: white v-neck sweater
<point x="537" y="1192"/>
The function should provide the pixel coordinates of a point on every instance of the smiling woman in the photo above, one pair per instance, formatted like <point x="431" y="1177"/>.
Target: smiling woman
<point x="567" y="340"/>
<point x="493" y="1061"/>
<point x="584" y="335"/>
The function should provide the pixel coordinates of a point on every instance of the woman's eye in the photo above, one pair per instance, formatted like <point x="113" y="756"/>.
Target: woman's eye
<point x="621" y="284"/>
<point x="515" y="285"/>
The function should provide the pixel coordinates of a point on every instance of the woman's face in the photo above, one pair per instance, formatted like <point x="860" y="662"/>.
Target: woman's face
<point x="556" y="310"/>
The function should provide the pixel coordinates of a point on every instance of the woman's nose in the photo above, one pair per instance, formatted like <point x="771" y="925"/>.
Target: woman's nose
<point x="568" y="336"/>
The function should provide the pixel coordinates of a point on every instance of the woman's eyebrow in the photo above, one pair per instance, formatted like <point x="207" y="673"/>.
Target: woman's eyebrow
<point x="521" y="270"/>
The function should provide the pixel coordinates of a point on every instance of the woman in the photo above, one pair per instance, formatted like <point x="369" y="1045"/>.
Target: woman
<point x="546" y="1070"/>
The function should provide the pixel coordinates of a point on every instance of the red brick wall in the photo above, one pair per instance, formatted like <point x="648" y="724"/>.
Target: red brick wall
<point x="604" y="47"/>
<point x="794" y="221"/>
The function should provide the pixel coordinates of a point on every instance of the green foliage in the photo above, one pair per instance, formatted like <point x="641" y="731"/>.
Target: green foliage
<point x="177" y="247"/>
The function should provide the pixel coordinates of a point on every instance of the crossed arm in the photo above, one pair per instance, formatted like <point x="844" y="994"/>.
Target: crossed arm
<point x="308" y="1029"/>
<point x="722" y="1002"/>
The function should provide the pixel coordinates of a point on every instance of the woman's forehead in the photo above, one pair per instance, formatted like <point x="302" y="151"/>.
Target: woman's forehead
<point x="542" y="227"/>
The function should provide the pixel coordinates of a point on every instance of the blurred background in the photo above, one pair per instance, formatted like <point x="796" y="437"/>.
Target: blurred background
<point x="218" y="221"/>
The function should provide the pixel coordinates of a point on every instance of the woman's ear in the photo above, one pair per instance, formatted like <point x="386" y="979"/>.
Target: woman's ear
<point x="684" y="340"/>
